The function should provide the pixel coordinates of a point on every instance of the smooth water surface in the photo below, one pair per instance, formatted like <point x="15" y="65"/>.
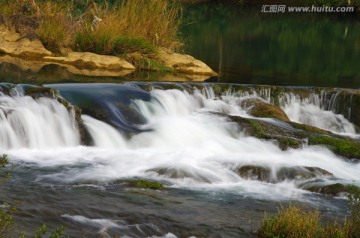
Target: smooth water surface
<point x="247" y="46"/>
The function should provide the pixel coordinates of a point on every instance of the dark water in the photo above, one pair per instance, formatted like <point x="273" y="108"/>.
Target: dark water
<point x="247" y="46"/>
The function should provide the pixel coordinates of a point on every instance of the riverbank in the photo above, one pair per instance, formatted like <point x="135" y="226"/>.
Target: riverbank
<point x="97" y="40"/>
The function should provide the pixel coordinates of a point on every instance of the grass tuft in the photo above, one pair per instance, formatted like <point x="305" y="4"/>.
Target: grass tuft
<point x="296" y="221"/>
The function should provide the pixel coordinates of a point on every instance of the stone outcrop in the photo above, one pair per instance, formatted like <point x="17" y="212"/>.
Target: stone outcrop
<point x="183" y="63"/>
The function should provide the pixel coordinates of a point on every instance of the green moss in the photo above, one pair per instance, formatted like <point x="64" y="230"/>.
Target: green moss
<point x="308" y="128"/>
<point x="285" y="143"/>
<point x="147" y="184"/>
<point x="343" y="147"/>
<point x="259" y="131"/>
<point x="267" y="110"/>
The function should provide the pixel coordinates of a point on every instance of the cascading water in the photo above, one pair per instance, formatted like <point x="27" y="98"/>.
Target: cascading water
<point x="312" y="111"/>
<point x="186" y="141"/>
<point x="36" y="124"/>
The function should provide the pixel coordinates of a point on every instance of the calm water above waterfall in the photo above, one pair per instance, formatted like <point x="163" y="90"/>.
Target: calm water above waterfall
<point x="177" y="134"/>
<point x="247" y="46"/>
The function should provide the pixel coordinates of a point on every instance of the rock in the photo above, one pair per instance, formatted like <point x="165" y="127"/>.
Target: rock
<point x="87" y="60"/>
<point x="146" y="184"/>
<point x="333" y="189"/>
<point x="37" y="65"/>
<point x="343" y="146"/>
<point x="184" y="63"/>
<point x="254" y="172"/>
<point x="260" y="173"/>
<point x="29" y="46"/>
<point x="18" y="38"/>
<point x="301" y="173"/>
<point x="263" y="109"/>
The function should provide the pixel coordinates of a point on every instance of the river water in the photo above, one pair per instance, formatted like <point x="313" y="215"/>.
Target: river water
<point x="175" y="135"/>
<point x="178" y="134"/>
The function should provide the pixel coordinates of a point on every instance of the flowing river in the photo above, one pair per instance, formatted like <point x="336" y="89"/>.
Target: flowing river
<point x="172" y="133"/>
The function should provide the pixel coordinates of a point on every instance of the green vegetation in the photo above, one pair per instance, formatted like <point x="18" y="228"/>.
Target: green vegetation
<point x="296" y="221"/>
<point x="346" y="148"/>
<point x="147" y="184"/>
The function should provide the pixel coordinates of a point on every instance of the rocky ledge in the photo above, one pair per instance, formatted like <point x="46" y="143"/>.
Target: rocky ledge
<point x="18" y="39"/>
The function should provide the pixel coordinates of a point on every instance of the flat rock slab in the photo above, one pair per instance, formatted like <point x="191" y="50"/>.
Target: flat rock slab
<point x="35" y="65"/>
<point x="183" y="63"/>
<point x="87" y="60"/>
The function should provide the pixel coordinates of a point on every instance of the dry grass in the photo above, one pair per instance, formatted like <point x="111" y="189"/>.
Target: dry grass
<point x="56" y="27"/>
<point x="296" y="221"/>
<point x="131" y="26"/>
<point x="125" y="27"/>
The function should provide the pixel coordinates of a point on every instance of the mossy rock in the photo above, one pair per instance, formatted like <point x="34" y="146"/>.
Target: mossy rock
<point x="342" y="146"/>
<point x="146" y="184"/>
<point x="263" y="109"/>
<point x="333" y="189"/>
<point x="309" y="128"/>
<point x="286" y="143"/>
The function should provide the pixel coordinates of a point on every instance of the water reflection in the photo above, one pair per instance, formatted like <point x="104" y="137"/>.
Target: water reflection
<point x="247" y="46"/>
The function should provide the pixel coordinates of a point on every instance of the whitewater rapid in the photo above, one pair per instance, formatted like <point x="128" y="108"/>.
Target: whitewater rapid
<point x="185" y="145"/>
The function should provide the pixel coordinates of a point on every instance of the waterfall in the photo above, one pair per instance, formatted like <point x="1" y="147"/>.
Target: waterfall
<point x="313" y="111"/>
<point x="186" y="140"/>
<point x="41" y="123"/>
